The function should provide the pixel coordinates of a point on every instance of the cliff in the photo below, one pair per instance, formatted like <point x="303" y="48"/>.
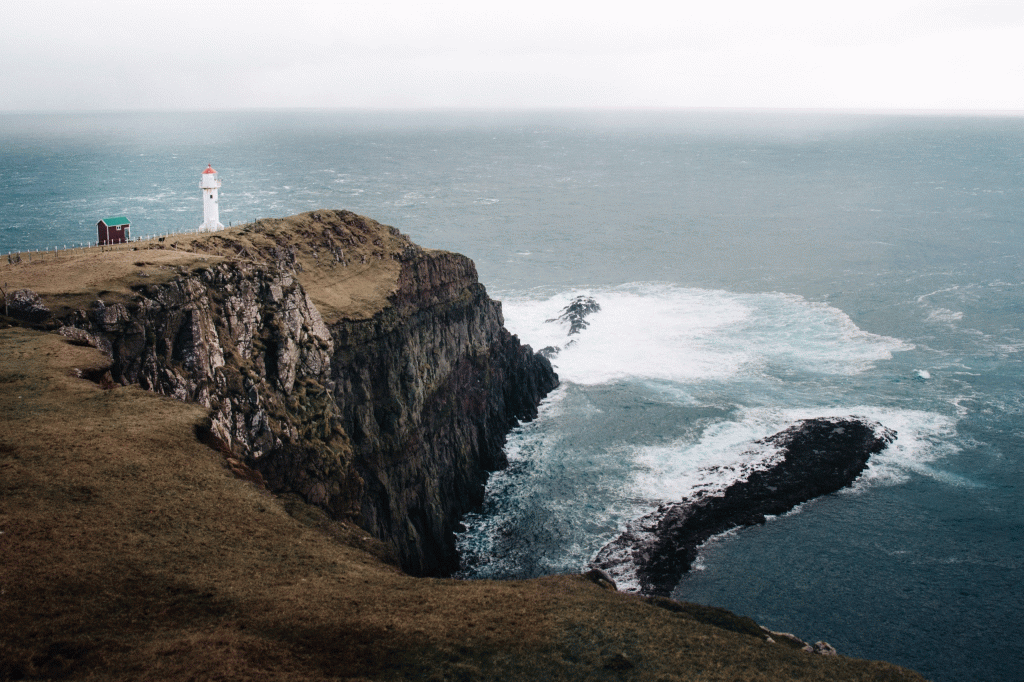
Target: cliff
<point x="372" y="378"/>
<point x="342" y="362"/>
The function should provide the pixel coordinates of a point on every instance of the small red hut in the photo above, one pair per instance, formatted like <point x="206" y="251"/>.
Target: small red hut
<point x="112" y="230"/>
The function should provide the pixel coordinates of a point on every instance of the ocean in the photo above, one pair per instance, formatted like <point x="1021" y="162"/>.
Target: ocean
<point x="752" y="269"/>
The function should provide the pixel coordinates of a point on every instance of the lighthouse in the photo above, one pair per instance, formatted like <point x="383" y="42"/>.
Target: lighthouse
<point x="210" y="184"/>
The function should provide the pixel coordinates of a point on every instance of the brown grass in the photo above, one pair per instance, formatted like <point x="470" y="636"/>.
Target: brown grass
<point x="74" y="279"/>
<point x="130" y="552"/>
<point x="355" y="289"/>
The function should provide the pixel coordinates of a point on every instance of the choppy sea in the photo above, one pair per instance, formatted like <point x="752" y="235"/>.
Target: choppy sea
<point x="752" y="269"/>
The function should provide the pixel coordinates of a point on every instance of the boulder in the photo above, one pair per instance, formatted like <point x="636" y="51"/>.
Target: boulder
<point x="26" y="305"/>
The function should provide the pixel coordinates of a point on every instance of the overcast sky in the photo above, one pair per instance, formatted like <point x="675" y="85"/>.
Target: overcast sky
<point x="230" y="54"/>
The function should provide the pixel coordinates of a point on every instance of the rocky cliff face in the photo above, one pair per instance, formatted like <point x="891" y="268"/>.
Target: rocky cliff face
<point x="390" y="412"/>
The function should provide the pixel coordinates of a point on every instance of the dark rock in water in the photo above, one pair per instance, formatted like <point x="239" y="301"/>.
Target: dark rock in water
<point x="818" y="456"/>
<point x="576" y="312"/>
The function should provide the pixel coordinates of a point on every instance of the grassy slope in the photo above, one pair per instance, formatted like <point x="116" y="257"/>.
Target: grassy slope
<point x="128" y="550"/>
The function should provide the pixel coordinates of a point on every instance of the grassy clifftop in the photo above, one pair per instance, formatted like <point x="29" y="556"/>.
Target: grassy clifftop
<point x="131" y="550"/>
<point x="348" y="264"/>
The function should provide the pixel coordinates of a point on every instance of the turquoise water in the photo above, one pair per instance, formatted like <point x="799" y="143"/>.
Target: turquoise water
<point x="752" y="269"/>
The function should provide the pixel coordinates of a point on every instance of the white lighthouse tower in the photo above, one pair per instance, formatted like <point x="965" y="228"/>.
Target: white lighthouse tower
<point x="210" y="185"/>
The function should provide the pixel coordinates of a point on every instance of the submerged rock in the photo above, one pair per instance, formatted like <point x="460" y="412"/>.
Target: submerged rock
<point x="817" y="457"/>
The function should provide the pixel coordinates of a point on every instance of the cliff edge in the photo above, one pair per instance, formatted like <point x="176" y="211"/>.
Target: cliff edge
<point x="340" y="361"/>
<point x="369" y="383"/>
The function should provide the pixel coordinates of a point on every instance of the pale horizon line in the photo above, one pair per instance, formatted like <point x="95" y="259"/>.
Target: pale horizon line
<point x="888" y="111"/>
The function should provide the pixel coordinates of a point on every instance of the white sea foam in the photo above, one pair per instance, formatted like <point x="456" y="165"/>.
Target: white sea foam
<point x="945" y="315"/>
<point x="678" y="339"/>
<point x="676" y="334"/>
<point x="723" y="455"/>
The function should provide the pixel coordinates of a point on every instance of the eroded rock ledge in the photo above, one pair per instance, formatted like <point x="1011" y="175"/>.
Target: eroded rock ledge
<point x="342" y="362"/>
<point x="815" y="457"/>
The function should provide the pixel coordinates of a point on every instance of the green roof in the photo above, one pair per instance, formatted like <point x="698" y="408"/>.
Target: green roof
<point x="116" y="222"/>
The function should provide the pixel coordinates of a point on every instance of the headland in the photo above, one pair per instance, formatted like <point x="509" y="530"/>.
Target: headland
<point x="229" y="456"/>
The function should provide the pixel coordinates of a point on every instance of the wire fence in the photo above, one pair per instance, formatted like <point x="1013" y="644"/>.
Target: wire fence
<point x="12" y="258"/>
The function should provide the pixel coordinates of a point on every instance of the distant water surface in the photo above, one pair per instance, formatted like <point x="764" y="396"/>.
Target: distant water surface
<point x="752" y="268"/>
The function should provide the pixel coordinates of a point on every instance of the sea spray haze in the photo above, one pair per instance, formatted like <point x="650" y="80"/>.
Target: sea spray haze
<point x="752" y="270"/>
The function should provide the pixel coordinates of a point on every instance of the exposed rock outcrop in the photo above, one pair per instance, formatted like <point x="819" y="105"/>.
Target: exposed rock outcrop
<point x="815" y="457"/>
<point x="25" y="304"/>
<point x="389" y="412"/>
